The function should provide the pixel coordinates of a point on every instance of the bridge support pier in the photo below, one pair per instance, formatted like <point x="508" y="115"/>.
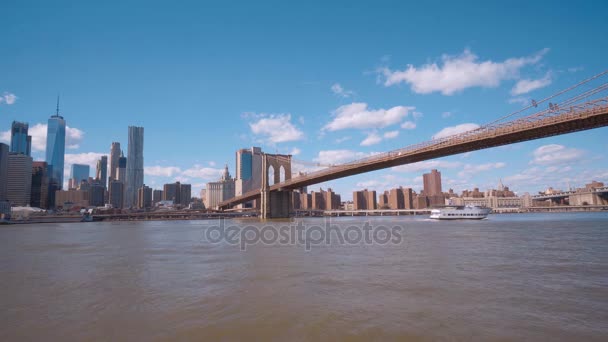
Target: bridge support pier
<point x="275" y="204"/>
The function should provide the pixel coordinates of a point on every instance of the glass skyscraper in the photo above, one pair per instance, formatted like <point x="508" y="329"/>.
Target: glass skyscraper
<point x="55" y="153"/>
<point x="135" y="165"/>
<point x="20" y="141"/>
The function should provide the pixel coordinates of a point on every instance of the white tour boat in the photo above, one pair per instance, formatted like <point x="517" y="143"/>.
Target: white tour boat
<point x="460" y="213"/>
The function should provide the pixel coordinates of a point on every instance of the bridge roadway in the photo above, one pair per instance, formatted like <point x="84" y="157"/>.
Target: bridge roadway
<point x="569" y="193"/>
<point x="546" y="123"/>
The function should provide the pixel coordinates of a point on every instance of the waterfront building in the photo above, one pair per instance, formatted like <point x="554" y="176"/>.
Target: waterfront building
<point x="248" y="172"/>
<point x="432" y="183"/>
<point x="79" y="172"/>
<point x="55" y="150"/>
<point x="305" y="201"/>
<point x="185" y="194"/>
<point x="97" y="194"/>
<point x="365" y="200"/>
<point x="40" y="185"/>
<point x="3" y="170"/>
<point x="69" y="198"/>
<point x="21" y="142"/>
<point x="220" y="191"/>
<point x="157" y="196"/>
<point x="144" y="197"/>
<point x="19" y="180"/>
<point x="115" y="153"/>
<point x="400" y="198"/>
<point x="383" y="200"/>
<point x="135" y="165"/>
<point x="102" y="170"/>
<point x="116" y="193"/>
<point x="171" y="192"/>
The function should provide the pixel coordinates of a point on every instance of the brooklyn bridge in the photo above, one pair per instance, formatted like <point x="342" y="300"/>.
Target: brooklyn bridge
<point x="580" y="107"/>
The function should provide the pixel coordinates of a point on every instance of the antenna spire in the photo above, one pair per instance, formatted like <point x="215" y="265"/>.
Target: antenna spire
<point x="57" y="112"/>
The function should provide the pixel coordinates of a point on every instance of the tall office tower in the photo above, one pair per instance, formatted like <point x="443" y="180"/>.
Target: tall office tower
<point x="3" y="170"/>
<point x="40" y="185"/>
<point x="432" y="183"/>
<point x="20" y="141"/>
<point x="79" y="173"/>
<point x="185" y="194"/>
<point x="157" y="196"/>
<point x="121" y="169"/>
<point x="97" y="194"/>
<point x="114" y="155"/>
<point x="55" y="153"/>
<point x="144" y="197"/>
<point x="171" y="192"/>
<point x="19" y="184"/>
<point x="102" y="171"/>
<point x="116" y="191"/>
<point x="135" y="165"/>
<point x="248" y="171"/>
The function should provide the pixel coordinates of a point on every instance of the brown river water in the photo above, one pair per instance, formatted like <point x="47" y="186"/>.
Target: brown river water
<point x="507" y="278"/>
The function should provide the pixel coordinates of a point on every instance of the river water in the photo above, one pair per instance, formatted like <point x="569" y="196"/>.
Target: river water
<point x="510" y="277"/>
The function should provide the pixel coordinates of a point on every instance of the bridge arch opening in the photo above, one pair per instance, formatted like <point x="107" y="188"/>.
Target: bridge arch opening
<point x="270" y="172"/>
<point x="282" y="174"/>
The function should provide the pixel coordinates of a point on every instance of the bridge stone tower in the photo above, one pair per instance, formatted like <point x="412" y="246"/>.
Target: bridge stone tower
<point x="275" y="204"/>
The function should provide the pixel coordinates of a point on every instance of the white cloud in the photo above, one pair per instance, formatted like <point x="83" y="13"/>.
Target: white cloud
<point x="357" y="115"/>
<point x="343" y="139"/>
<point x="276" y="128"/>
<point x="73" y="137"/>
<point x="526" y="85"/>
<point x="417" y="115"/>
<point x="295" y="151"/>
<point x="212" y="163"/>
<point x="470" y="169"/>
<point x="456" y="73"/>
<point x="556" y="154"/>
<point x="206" y="173"/>
<point x="446" y="114"/>
<point x="448" y="131"/>
<point x="427" y="165"/>
<point x="162" y="171"/>
<point x="524" y="101"/>
<point x="371" y="139"/>
<point x="5" y="136"/>
<point x="8" y="98"/>
<point x="391" y="134"/>
<point x="334" y="157"/>
<point x="337" y="89"/>
<point x="408" y="125"/>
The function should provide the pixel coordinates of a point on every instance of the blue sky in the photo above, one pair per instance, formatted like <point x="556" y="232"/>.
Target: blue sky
<point x="332" y="81"/>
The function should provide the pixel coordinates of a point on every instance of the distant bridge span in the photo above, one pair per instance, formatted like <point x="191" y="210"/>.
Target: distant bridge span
<point x="572" y="115"/>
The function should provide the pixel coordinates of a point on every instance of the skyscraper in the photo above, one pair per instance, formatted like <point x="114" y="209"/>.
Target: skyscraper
<point x="432" y="183"/>
<point x="114" y="155"/>
<point x="20" y="141"/>
<point x="55" y="152"/>
<point x="121" y="171"/>
<point x="102" y="171"/>
<point x="135" y="165"/>
<point x="248" y="171"/>
<point x="40" y="185"/>
<point x="19" y="184"/>
<point x="79" y="173"/>
<point x="3" y="170"/>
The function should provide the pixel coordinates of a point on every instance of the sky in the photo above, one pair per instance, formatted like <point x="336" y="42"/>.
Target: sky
<point x="326" y="82"/>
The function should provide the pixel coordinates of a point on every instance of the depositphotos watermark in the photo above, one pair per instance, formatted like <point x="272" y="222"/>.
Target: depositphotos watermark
<point x="301" y="234"/>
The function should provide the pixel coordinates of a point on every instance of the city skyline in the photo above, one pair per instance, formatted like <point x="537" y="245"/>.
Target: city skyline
<point x="348" y="107"/>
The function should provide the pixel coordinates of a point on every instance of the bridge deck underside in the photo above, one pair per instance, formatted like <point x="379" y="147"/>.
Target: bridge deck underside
<point x="504" y="135"/>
